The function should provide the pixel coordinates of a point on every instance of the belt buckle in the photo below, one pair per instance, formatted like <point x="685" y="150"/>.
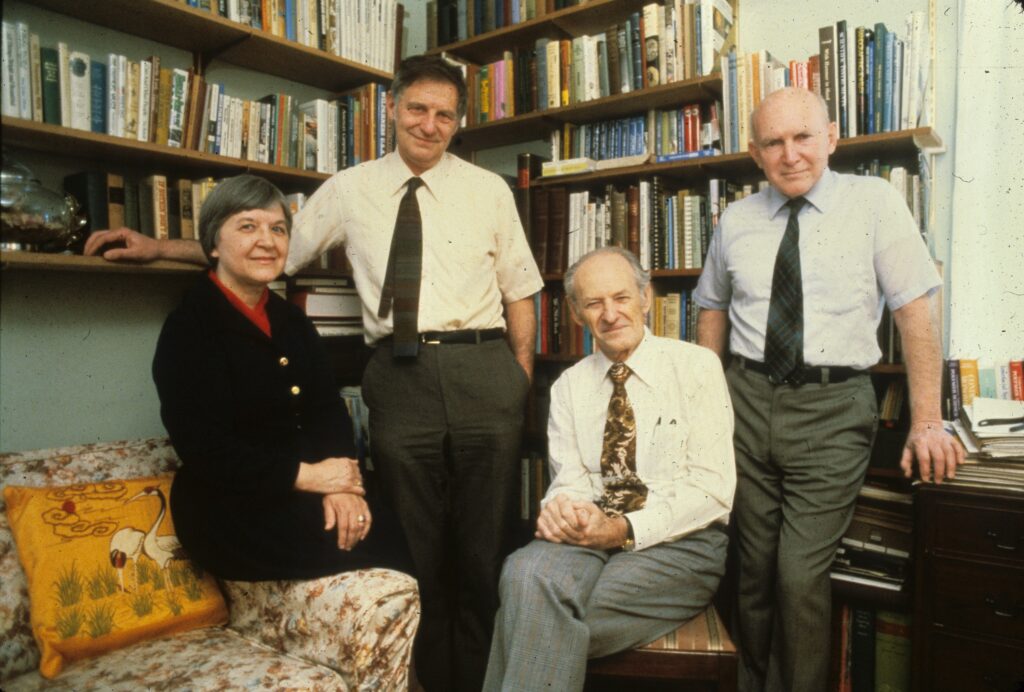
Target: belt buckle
<point x="429" y="342"/>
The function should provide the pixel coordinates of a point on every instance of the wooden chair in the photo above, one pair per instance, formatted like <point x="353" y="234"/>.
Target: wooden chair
<point x="699" y="651"/>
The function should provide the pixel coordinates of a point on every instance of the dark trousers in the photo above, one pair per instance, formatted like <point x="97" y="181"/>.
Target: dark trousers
<point x="801" y="455"/>
<point x="445" y="435"/>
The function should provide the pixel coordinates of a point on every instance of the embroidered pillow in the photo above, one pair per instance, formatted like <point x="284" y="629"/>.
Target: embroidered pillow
<point x="105" y="569"/>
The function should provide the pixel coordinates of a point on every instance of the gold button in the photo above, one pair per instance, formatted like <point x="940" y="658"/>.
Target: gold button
<point x="296" y="390"/>
<point x="283" y="361"/>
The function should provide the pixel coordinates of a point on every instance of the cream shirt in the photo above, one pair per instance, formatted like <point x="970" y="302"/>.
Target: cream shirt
<point x="475" y="254"/>
<point x="684" y="451"/>
<point x="858" y="246"/>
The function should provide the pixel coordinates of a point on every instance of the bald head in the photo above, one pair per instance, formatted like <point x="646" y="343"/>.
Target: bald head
<point x="791" y="139"/>
<point x="785" y="98"/>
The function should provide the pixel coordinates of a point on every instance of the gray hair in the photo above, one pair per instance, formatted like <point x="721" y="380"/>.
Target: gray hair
<point x="432" y="68"/>
<point x="641" y="275"/>
<point x="790" y="89"/>
<point x="234" y="195"/>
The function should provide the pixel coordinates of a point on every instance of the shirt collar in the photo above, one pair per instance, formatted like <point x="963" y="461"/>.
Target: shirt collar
<point x="642" y="362"/>
<point x="819" y="196"/>
<point x="398" y="173"/>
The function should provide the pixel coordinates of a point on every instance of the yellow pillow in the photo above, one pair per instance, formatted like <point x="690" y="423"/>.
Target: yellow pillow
<point x="105" y="568"/>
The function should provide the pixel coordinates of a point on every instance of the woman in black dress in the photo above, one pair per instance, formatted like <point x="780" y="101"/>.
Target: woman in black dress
<point x="269" y="487"/>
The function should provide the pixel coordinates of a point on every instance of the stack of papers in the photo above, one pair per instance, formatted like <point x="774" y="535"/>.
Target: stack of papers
<point x="992" y="431"/>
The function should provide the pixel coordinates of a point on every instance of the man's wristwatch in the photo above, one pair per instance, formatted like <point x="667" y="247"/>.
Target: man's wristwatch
<point x="628" y="544"/>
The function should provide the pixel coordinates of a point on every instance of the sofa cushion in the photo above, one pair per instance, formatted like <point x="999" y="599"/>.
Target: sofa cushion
<point x="210" y="659"/>
<point x="59" y="466"/>
<point x="104" y="567"/>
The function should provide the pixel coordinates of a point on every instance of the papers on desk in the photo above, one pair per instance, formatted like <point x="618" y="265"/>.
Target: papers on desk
<point x="992" y="431"/>
<point x="996" y="427"/>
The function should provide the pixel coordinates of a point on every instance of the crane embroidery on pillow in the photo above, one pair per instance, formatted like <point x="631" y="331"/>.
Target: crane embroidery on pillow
<point x="133" y="567"/>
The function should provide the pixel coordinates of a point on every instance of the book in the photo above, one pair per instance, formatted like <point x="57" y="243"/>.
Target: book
<point x="862" y="650"/>
<point x="970" y="385"/>
<point x="340" y="305"/>
<point x="50" y="85"/>
<point x="892" y="652"/>
<point x="79" y="90"/>
<point x="829" y="71"/>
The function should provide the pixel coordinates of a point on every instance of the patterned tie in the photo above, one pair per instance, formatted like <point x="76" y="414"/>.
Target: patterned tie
<point x="784" y="340"/>
<point x="402" y="281"/>
<point x="623" y="490"/>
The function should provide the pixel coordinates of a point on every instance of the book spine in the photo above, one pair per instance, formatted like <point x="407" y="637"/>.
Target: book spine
<point x="1017" y="380"/>
<point x="51" y="85"/>
<point x="98" y="96"/>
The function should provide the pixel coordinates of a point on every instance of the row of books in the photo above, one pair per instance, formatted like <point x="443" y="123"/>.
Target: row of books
<point x="144" y="101"/>
<point x="362" y="31"/>
<point x="535" y="477"/>
<point x="154" y="204"/>
<point x="449" y="21"/>
<point x="967" y="378"/>
<point x="648" y="49"/>
<point x="674" y="316"/>
<point x="871" y="79"/>
<point x="874" y="650"/>
<point x="557" y="332"/>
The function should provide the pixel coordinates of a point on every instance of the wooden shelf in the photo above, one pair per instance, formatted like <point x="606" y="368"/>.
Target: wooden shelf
<point x="889" y="146"/>
<point x="589" y="17"/>
<point x="43" y="261"/>
<point x="117" y="150"/>
<point x="538" y="124"/>
<point x="209" y="36"/>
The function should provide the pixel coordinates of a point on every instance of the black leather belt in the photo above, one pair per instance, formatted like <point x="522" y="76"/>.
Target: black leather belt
<point x="458" y="336"/>
<point x="820" y="374"/>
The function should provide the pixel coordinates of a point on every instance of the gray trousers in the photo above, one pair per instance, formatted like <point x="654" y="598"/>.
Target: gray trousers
<point x="562" y="604"/>
<point x="801" y="454"/>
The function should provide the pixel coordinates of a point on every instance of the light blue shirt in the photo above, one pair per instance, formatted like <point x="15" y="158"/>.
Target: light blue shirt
<point x="858" y="245"/>
<point x="684" y="426"/>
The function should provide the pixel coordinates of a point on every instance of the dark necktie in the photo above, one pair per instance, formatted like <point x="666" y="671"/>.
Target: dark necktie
<point x="623" y="490"/>
<point x="784" y="339"/>
<point x="402" y="281"/>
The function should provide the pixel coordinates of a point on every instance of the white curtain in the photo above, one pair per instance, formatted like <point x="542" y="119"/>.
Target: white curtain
<point x="986" y="307"/>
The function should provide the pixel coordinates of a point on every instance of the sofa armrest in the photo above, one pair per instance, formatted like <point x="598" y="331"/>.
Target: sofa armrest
<point x="359" y="623"/>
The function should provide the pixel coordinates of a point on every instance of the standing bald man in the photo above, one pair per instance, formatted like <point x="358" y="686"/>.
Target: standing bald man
<point x="793" y="285"/>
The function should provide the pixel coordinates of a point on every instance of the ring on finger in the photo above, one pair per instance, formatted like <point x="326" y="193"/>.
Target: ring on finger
<point x="361" y="519"/>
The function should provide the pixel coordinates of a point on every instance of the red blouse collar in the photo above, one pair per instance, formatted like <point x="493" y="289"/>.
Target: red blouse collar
<point x="256" y="315"/>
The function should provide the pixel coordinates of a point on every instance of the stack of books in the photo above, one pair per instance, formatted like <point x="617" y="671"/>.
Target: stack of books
<point x="332" y="304"/>
<point x="876" y="549"/>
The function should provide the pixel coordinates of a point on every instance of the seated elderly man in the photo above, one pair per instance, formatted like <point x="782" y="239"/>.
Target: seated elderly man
<point x="631" y="538"/>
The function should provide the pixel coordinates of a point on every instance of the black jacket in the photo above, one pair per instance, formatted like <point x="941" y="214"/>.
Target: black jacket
<point x="242" y="411"/>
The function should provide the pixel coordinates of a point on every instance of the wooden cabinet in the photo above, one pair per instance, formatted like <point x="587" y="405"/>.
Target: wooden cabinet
<point x="969" y="589"/>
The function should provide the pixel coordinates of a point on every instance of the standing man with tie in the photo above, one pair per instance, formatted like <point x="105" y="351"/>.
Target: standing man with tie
<point x="446" y="279"/>
<point x="631" y="538"/>
<point x="803" y="335"/>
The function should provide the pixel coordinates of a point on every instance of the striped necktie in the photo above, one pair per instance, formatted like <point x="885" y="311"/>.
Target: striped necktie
<point x="623" y="490"/>
<point x="784" y="339"/>
<point x="402" y="281"/>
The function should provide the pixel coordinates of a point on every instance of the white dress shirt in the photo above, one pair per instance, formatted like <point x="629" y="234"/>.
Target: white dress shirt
<point x="684" y="421"/>
<point x="858" y="245"/>
<point x="475" y="253"/>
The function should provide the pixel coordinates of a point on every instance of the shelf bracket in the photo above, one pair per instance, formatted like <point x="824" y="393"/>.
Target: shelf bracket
<point x="201" y="60"/>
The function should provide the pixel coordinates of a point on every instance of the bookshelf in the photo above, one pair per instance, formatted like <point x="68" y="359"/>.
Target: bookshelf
<point x="209" y="37"/>
<point x="57" y="140"/>
<point x="47" y="262"/>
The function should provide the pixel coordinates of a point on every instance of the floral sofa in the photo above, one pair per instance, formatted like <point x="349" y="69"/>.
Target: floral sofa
<point x="349" y="632"/>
